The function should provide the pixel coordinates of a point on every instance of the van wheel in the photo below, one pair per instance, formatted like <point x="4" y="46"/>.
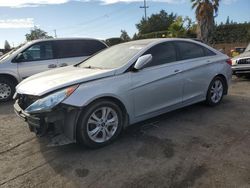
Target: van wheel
<point x="100" y="124"/>
<point x="7" y="89"/>
<point x="215" y="91"/>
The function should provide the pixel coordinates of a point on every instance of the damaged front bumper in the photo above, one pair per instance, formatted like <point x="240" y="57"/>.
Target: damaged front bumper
<point x="60" y="123"/>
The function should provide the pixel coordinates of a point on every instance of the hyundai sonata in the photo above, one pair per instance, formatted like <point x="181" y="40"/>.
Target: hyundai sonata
<point x="92" y="102"/>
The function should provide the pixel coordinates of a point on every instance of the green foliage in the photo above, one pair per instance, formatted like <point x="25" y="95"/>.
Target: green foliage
<point x="124" y="36"/>
<point x="158" y="34"/>
<point x="135" y="37"/>
<point x="7" y="46"/>
<point x="37" y="33"/>
<point x="179" y="28"/>
<point x="230" y="33"/>
<point x="156" y="22"/>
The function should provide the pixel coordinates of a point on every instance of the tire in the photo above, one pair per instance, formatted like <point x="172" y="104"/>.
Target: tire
<point x="7" y="89"/>
<point x="92" y="128"/>
<point x="215" y="91"/>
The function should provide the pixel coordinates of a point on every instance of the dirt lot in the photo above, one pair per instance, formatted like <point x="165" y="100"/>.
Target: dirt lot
<point x="198" y="146"/>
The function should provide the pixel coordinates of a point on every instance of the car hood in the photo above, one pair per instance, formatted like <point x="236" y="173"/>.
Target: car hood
<point x="243" y="55"/>
<point x="48" y="81"/>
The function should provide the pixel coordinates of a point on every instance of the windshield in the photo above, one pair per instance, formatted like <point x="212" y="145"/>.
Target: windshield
<point x="248" y="48"/>
<point x="10" y="52"/>
<point x="113" y="57"/>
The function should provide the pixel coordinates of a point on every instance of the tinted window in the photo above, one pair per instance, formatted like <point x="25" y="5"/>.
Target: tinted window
<point x="208" y="52"/>
<point x="40" y="51"/>
<point x="77" y="48"/>
<point x="189" y="50"/>
<point x="162" y="53"/>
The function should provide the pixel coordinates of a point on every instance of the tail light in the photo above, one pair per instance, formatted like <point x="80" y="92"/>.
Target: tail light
<point x="229" y="62"/>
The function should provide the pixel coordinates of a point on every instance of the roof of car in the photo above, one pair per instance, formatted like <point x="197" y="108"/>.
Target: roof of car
<point x="158" y="40"/>
<point x="71" y="38"/>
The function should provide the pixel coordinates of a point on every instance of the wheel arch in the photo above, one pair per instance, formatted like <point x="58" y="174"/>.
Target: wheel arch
<point x="9" y="76"/>
<point x="225" y="82"/>
<point x="108" y="98"/>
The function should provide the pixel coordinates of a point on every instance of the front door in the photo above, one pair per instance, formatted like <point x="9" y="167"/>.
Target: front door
<point x="159" y="84"/>
<point x="35" y="59"/>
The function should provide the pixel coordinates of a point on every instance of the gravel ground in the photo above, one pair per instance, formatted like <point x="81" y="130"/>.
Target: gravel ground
<point x="197" y="146"/>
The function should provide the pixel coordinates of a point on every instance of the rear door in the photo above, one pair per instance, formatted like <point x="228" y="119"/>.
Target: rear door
<point x="197" y="70"/>
<point x="160" y="84"/>
<point x="37" y="58"/>
<point x="71" y="52"/>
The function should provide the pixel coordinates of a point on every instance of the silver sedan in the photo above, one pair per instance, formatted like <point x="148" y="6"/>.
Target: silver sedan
<point x="92" y="102"/>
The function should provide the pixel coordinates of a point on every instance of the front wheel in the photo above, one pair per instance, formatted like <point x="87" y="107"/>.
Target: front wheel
<point x="100" y="124"/>
<point x="215" y="91"/>
<point x="7" y="89"/>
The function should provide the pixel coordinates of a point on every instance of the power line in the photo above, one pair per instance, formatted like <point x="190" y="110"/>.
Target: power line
<point x="100" y="26"/>
<point x="98" y="18"/>
<point x="145" y="9"/>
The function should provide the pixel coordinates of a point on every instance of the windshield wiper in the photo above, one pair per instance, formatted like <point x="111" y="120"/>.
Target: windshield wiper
<point x="91" y="67"/>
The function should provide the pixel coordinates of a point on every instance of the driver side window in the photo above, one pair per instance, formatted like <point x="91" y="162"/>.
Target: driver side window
<point x="162" y="53"/>
<point x="40" y="51"/>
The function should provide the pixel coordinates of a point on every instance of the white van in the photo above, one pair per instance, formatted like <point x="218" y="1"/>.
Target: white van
<point x="42" y="55"/>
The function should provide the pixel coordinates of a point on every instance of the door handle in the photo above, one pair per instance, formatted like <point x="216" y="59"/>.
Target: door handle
<point x="63" y="65"/>
<point x="177" y="70"/>
<point x="52" y="66"/>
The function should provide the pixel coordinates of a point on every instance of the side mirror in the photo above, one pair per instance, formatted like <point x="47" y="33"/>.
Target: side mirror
<point x="142" y="61"/>
<point x="19" y="58"/>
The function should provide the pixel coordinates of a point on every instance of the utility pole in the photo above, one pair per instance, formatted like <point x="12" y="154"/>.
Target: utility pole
<point x="55" y="33"/>
<point x="145" y="9"/>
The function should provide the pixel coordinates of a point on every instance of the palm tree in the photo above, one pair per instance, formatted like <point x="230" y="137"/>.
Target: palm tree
<point x="205" y="11"/>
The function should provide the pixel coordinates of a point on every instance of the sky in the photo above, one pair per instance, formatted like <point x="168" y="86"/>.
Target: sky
<point x="100" y="19"/>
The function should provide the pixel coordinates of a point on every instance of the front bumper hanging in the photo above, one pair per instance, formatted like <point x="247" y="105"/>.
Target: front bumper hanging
<point x="60" y="124"/>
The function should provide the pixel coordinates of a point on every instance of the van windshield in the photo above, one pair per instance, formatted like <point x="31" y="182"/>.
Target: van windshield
<point x="10" y="52"/>
<point x="113" y="57"/>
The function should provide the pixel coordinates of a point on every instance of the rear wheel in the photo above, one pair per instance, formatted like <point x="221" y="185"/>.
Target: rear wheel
<point x="7" y="89"/>
<point x="215" y="91"/>
<point x="100" y="124"/>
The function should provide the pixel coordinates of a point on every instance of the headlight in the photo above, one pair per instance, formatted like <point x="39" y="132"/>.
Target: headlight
<point x="47" y="103"/>
<point x="234" y="62"/>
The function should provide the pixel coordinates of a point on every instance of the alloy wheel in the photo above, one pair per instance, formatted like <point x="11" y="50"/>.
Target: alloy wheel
<point x="216" y="91"/>
<point x="102" y="124"/>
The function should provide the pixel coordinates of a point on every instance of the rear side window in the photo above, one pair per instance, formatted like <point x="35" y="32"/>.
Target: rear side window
<point x="78" y="48"/>
<point x="162" y="54"/>
<point x="208" y="52"/>
<point x="189" y="50"/>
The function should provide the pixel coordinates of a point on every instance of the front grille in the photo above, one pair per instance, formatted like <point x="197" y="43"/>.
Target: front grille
<point x="244" y="61"/>
<point x="26" y="100"/>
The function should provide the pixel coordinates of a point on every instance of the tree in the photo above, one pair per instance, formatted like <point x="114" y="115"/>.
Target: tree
<point x="205" y="11"/>
<point x="182" y="28"/>
<point x="228" y="21"/>
<point x="6" y="46"/>
<point x="124" y="36"/>
<point x="113" y="41"/>
<point x="37" y="33"/>
<point x="156" y="22"/>
<point x="135" y="37"/>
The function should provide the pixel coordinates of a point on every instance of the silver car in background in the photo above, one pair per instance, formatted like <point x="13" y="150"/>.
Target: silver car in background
<point x="42" y="55"/>
<point x="92" y="102"/>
